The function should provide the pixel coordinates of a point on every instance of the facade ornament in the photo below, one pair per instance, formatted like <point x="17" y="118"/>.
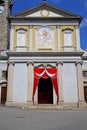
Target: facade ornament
<point x="30" y="63"/>
<point x="59" y="62"/>
<point x="79" y="62"/>
<point x="11" y="62"/>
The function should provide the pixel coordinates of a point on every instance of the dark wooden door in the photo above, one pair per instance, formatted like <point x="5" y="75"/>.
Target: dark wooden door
<point x="3" y="95"/>
<point x="85" y="94"/>
<point x="45" y="91"/>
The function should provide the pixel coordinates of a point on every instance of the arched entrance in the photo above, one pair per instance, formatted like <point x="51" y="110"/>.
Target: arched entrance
<point x="45" y="91"/>
<point x="3" y="95"/>
<point x="45" y="79"/>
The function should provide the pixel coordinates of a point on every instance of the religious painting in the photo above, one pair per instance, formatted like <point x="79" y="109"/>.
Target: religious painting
<point x="45" y="38"/>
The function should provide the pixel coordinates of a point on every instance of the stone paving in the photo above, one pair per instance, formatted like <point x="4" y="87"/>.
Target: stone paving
<point x="12" y="118"/>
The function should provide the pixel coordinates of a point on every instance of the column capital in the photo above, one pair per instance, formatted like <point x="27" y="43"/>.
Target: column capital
<point x="12" y="26"/>
<point x="11" y="62"/>
<point x="30" y="26"/>
<point x="58" y="27"/>
<point x="79" y="62"/>
<point x="77" y="26"/>
<point x="59" y="62"/>
<point x="30" y="63"/>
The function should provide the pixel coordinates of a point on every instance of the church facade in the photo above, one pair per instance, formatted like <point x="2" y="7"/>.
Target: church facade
<point x="44" y="60"/>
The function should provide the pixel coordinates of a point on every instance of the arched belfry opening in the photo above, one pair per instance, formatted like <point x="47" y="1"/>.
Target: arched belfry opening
<point x="45" y="91"/>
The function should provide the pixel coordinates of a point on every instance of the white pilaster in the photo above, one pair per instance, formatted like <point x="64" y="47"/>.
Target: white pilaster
<point x="36" y="97"/>
<point x="10" y="83"/>
<point x="30" y="83"/>
<point x="54" y="97"/>
<point x="30" y="46"/>
<point x="58" y="29"/>
<point x="78" y="38"/>
<point x="60" y="81"/>
<point x="80" y="85"/>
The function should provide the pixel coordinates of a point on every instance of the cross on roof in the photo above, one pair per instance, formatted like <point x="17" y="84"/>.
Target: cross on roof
<point x="44" y="1"/>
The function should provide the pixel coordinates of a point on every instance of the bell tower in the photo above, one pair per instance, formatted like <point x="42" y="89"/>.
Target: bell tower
<point x="5" y="9"/>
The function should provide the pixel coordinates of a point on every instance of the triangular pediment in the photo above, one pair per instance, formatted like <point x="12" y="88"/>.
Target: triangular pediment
<point x="45" y="10"/>
<point x="44" y="13"/>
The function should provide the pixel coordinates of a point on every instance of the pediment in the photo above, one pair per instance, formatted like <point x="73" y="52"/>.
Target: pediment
<point x="46" y="10"/>
<point x="44" y="13"/>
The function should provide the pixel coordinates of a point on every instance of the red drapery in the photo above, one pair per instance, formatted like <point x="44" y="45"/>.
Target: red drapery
<point x="45" y="73"/>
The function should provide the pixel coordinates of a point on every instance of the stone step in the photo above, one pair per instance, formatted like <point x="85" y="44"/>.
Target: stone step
<point x="50" y="107"/>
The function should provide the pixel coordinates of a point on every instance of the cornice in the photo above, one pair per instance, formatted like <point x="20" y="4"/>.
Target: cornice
<point x="3" y="57"/>
<point x="43" y="18"/>
<point x="84" y="57"/>
<point x="44" y="54"/>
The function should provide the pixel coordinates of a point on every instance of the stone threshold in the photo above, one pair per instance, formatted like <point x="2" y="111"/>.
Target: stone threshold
<point x="50" y="107"/>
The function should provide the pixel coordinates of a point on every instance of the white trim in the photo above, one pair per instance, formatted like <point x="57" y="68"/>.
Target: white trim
<point x="30" y="44"/>
<point x="78" y="38"/>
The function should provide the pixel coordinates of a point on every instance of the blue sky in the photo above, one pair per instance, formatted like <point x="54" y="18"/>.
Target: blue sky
<point x="75" y="6"/>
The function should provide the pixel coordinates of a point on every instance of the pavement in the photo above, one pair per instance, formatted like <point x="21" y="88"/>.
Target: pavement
<point x="13" y="118"/>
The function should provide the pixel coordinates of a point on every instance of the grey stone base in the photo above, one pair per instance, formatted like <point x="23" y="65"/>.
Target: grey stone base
<point x="60" y="106"/>
<point x="82" y="104"/>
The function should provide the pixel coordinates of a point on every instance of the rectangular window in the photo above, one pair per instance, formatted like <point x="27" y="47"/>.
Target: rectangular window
<point x="4" y="74"/>
<point x="67" y="38"/>
<point x="21" y="38"/>
<point x="85" y="74"/>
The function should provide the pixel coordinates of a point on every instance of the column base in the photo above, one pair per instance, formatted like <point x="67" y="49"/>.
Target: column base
<point x="82" y="104"/>
<point x="9" y="103"/>
<point x="29" y="103"/>
<point x="61" y="102"/>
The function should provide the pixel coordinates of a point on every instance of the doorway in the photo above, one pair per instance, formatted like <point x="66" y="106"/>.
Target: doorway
<point x="45" y="91"/>
<point x="3" y="95"/>
<point x="85" y="94"/>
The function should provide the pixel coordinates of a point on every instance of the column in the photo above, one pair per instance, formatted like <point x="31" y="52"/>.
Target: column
<point x="10" y="83"/>
<point x="81" y="102"/>
<point x="30" y="83"/>
<point x="60" y="82"/>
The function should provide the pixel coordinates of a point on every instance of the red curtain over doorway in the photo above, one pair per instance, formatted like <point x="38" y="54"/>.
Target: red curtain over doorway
<point x="45" y="73"/>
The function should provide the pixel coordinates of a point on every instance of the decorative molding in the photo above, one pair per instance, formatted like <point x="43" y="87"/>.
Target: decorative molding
<point x="77" y="27"/>
<point x="11" y="62"/>
<point x="59" y="62"/>
<point x="44" y="13"/>
<point x="30" y="63"/>
<point x="12" y="26"/>
<point x="79" y="62"/>
<point x="23" y="27"/>
<point x="58" y="27"/>
<point x="44" y="54"/>
<point x="44" y="49"/>
<point x="73" y="36"/>
<point x="45" y="65"/>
